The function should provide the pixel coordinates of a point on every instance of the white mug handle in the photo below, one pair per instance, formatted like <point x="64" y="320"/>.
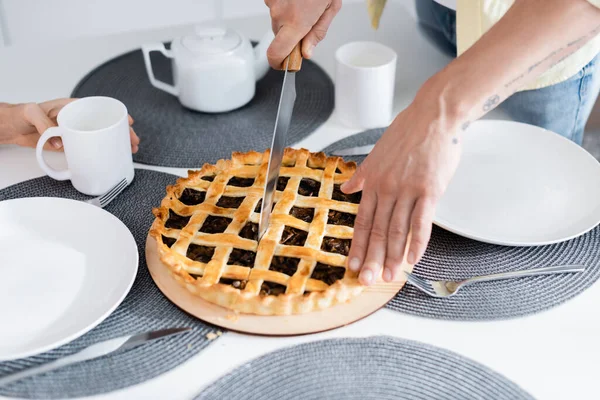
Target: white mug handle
<point x="52" y="173"/>
<point x="147" y="49"/>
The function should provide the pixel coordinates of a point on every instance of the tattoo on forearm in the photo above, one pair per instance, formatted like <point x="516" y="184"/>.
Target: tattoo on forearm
<point x="491" y="103"/>
<point x="549" y="56"/>
<point x="578" y="43"/>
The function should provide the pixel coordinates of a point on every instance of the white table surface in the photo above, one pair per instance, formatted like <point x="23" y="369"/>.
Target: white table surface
<point x="552" y="354"/>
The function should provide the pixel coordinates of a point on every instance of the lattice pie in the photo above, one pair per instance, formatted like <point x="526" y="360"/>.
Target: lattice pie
<point x="206" y="232"/>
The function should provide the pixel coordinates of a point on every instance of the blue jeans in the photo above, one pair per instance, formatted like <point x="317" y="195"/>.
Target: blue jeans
<point x="563" y="108"/>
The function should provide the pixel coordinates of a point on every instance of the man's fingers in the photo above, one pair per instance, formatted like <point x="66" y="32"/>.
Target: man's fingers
<point x="362" y="230"/>
<point x="52" y="107"/>
<point x="31" y="139"/>
<point x="34" y="115"/>
<point x="377" y="240"/>
<point x="283" y="44"/>
<point x="421" y="222"/>
<point x="356" y="183"/>
<point x="319" y="30"/>
<point x="397" y="237"/>
<point x="134" y="137"/>
<point x="135" y="141"/>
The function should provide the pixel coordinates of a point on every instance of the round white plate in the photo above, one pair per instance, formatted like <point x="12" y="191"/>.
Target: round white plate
<point x="521" y="185"/>
<point x="64" y="267"/>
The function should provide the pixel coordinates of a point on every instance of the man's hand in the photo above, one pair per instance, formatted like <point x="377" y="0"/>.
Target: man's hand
<point x="412" y="164"/>
<point x="22" y="124"/>
<point x="402" y="179"/>
<point x="295" y="20"/>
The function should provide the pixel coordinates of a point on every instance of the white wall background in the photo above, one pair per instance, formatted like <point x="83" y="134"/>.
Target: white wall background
<point x="25" y="22"/>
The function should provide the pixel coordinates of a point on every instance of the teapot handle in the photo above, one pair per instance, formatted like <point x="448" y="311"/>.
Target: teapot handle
<point x="147" y="49"/>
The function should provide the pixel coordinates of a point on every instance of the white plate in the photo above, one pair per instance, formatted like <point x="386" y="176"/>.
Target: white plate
<point x="64" y="267"/>
<point x="520" y="185"/>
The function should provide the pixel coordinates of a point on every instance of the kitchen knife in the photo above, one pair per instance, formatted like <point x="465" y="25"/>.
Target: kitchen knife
<point x="290" y="66"/>
<point x="354" y="151"/>
<point x="94" y="351"/>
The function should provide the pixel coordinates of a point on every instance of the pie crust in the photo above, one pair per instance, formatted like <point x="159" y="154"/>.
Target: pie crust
<point x="206" y="229"/>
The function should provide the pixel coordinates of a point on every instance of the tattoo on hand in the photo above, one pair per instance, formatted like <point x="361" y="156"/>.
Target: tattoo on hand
<point x="465" y="125"/>
<point x="491" y="103"/>
<point x="455" y="140"/>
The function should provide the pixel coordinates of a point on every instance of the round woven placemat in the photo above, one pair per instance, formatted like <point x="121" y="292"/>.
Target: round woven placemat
<point x="174" y="136"/>
<point x="144" y="309"/>
<point x="452" y="257"/>
<point x="367" y="368"/>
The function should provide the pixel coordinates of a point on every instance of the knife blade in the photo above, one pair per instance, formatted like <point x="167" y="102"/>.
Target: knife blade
<point x="94" y="351"/>
<point x="290" y="66"/>
<point x="354" y="151"/>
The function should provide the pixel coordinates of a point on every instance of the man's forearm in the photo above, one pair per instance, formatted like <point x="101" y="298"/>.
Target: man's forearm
<point x="533" y="36"/>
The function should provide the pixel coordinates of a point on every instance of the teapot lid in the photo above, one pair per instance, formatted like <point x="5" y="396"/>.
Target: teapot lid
<point x="211" y="40"/>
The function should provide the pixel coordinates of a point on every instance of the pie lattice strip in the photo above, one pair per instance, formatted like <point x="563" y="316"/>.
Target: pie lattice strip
<point x="296" y="284"/>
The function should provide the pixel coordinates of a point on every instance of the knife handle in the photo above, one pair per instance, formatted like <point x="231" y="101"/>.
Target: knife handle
<point x="294" y="60"/>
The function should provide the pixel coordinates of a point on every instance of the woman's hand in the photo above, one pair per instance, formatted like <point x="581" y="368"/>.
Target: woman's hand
<point x="402" y="179"/>
<point x="295" y="20"/>
<point x="22" y="124"/>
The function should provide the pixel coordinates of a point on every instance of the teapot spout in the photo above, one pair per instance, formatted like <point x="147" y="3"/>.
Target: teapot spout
<point x="261" y="63"/>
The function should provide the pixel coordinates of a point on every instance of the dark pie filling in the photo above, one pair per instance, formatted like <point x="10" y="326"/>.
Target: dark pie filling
<point x="259" y="205"/>
<point x="272" y="288"/>
<point x="214" y="224"/>
<point x="236" y="283"/>
<point x="302" y="213"/>
<point x="245" y="258"/>
<point x="341" y="196"/>
<point x="336" y="245"/>
<point x="285" y="265"/>
<point x="289" y="163"/>
<point x="293" y="237"/>
<point x="340" y="218"/>
<point x="191" y="197"/>
<point x="338" y="171"/>
<point x="241" y="182"/>
<point x="249" y="231"/>
<point x="168" y="241"/>
<point x="201" y="254"/>
<point x="230" y="202"/>
<point x="176" y="221"/>
<point x="328" y="273"/>
<point x="309" y="187"/>
<point x="282" y="182"/>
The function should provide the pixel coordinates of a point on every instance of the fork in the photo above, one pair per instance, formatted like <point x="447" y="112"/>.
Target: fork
<point x="102" y="201"/>
<point x="450" y="288"/>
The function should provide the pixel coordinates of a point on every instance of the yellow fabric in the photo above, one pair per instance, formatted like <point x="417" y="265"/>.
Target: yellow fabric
<point x="475" y="17"/>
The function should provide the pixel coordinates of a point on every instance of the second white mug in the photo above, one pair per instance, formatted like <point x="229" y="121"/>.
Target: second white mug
<point x="96" y="142"/>
<point x="365" y="76"/>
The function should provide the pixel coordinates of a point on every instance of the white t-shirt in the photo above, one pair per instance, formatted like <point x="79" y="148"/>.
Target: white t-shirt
<point x="448" y="3"/>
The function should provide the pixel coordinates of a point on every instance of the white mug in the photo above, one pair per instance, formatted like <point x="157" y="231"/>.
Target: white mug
<point x="365" y="77"/>
<point x="96" y="142"/>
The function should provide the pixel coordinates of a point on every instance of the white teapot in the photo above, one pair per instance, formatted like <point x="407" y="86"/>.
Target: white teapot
<point x="214" y="70"/>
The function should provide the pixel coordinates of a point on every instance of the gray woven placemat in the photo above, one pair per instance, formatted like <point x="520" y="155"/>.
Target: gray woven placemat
<point x="452" y="257"/>
<point x="174" y="136"/>
<point x="379" y="367"/>
<point x="144" y="309"/>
